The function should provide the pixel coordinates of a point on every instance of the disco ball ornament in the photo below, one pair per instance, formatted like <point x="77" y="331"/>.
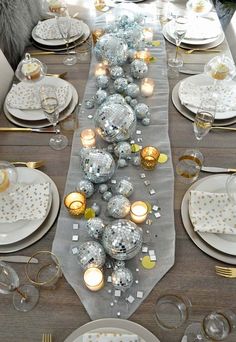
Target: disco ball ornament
<point x="138" y="69"/>
<point x="86" y="187"/>
<point x="116" y="71"/>
<point x="131" y="55"/>
<point x="102" y="81"/>
<point x="122" y="150"/>
<point x="122" y="239"/>
<point x="119" y="264"/>
<point x="118" y="206"/>
<point x="91" y="254"/>
<point x="100" y="96"/>
<point x="122" y="163"/>
<point x="136" y="160"/>
<point x="120" y="84"/>
<point x="89" y="104"/>
<point x="107" y="196"/>
<point x="141" y="110"/>
<point x="110" y="148"/>
<point x="96" y="208"/>
<point x="115" y="122"/>
<point x="132" y="90"/>
<point x="134" y="37"/>
<point x="98" y="165"/>
<point x="146" y="121"/>
<point x="133" y="103"/>
<point x="122" y="279"/>
<point x="95" y="227"/>
<point x="124" y="187"/>
<point x="103" y="188"/>
<point x="128" y="99"/>
<point x="115" y="98"/>
<point x="111" y="49"/>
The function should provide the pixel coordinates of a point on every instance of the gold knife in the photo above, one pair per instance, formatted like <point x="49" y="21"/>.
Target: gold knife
<point x="19" y="259"/>
<point x="27" y="129"/>
<point x="213" y="169"/>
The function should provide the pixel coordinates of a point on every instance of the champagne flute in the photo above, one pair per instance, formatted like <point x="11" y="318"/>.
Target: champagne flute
<point x="180" y="25"/>
<point x="204" y="118"/>
<point x="49" y="104"/>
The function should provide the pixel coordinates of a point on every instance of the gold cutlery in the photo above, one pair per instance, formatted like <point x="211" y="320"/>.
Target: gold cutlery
<point x="227" y="272"/>
<point x="47" y="53"/>
<point x="224" y="128"/>
<point x="188" y="52"/>
<point x="19" y="259"/>
<point x="47" y="338"/>
<point x="30" y="164"/>
<point x="28" y="129"/>
<point x="214" y="169"/>
<point x="57" y="75"/>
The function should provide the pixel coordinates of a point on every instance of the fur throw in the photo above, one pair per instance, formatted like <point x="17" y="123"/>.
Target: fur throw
<point x="17" y="19"/>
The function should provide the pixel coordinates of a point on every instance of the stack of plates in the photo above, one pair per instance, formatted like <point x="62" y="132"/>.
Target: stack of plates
<point x="36" y="118"/>
<point x="23" y="233"/>
<point x="59" y="44"/>
<point x="219" y="246"/>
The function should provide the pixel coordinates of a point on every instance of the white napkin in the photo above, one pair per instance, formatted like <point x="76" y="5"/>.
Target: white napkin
<point x="110" y="337"/>
<point x="23" y="96"/>
<point x="193" y="95"/>
<point x="212" y="212"/>
<point x="27" y="202"/>
<point x="48" y="29"/>
<point x="203" y="29"/>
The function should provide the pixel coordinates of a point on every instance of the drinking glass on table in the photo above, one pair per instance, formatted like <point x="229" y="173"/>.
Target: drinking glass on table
<point x="199" y="8"/>
<point x="189" y="165"/>
<point x="204" y="118"/>
<point x="180" y="25"/>
<point x="50" y="106"/>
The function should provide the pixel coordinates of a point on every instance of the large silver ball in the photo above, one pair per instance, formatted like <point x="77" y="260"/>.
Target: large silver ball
<point x="91" y="254"/>
<point x="122" y="239"/>
<point x="98" y="165"/>
<point x="141" y="110"/>
<point x="115" y="98"/>
<point x="118" y="206"/>
<point x="122" y="279"/>
<point x="132" y="90"/>
<point x="115" y="122"/>
<point x="124" y="187"/>
<point x="122" y="150"/>
<point x="86" y="186"/>
<point x="116" y="71"/>
<point x="138" y="69"/>
<point x="95" y="227"/>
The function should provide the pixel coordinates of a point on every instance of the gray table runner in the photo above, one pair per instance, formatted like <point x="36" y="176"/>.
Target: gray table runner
<point x="159" y="236"/>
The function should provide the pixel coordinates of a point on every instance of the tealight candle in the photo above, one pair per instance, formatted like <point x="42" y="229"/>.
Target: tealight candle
<point x="100" y="4"/>
<point x="93" y="278"/>
<point x="149" y="157"/>
<point x="138" y="211"/>
<point x="75" y="202"/>
<point x="144" y="55"/>
<point x="88" y="138"/>
<point x="100" y="69"/>
<point x="97" y="34"/>
<point x="147" y="87"/>
<point x="4" y="180"/>
<point x="148" y="34"/>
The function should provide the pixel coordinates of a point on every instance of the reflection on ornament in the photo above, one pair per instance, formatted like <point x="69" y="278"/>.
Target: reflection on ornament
<point x="102" y="81"/>
<point x="116" y="71"/>
<point x="122" y="150"/>
<point x="124" y="187"/>
<point x="115" y="98"/>
<point x="100" y="96"/>
<point x="120" y="84"/>
<point x="141" y="110"/>
<point x="132" y="90"/>
<point x="91" y="254"/>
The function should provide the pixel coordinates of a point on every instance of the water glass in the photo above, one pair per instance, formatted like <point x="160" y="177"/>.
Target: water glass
<point x="64" y="26"/>
<point x="204" y="118"/>
<point x="189" y="165"/>
<point x="180" y="25"/>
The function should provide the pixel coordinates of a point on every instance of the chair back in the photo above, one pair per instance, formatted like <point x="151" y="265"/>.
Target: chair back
<point x="6" y="78"/>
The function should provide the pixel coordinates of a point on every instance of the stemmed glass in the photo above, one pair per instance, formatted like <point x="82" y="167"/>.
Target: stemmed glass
<point x="199" y="7"/>
<point x="64" y="24"/>
<point x="25" y="296"/>
<point x="204" y="118"/>
<point x="180" y="25"/>
<point x="50" y="106"/>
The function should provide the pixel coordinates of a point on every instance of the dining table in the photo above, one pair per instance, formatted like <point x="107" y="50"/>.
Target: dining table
<point x="60" y="311"/>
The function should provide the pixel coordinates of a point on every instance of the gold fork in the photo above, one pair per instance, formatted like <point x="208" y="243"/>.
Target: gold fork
<point x="47" y="338"/>
<point x="227" y="272"/>
<point x="30" y="164"/>
<point x="188" y="52"/>
<point x="57" y="75"/>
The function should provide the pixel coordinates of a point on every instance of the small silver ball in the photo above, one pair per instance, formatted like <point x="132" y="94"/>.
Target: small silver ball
<point x="122" y="279"/>
<point x="91" y="253"/>
<point x="102" y="81"/>
<point x="136" y="160"/>
<point x="141" y="110"/>
<point x="116" y="71"/>
<point x="89" y="104"/>
<point x="146" y="121"/>
<point x="86" y="186"/>
<point x="119" y="264"/>
<point x="100" y="96"/>
<point x="110" y="148"/>
<point x="96" y="208"/>
<point x="118" y="206"/>
<point x="124" y="187"/>
<point x="107" y="196"/>
<point x="122" y="149"/>
<point x="122" y="163"/>
<point x="128" y="99"/>
<point x="95" y="227"/>
<point x="102" y="188"/>
<point x="138" y="69"/>
<point x="133" y="103"/>
<point x="132" y="90"/>
<point x="120" y="84"/>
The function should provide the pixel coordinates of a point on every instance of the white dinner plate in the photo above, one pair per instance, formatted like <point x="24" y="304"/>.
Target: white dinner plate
<point x="225" y="243"/>
<point x="16" y="231"/>
<point x="56" y="42"/>
<point x="38" y="114"/>
<point x="204" y="80"/>
<point x="112" y="325"/>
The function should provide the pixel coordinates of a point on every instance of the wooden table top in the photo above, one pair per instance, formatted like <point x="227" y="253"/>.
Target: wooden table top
<point x="60" y="311"/>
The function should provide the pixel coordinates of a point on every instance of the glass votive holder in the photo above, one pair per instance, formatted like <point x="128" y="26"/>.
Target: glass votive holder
<point x="88" y="137"/>
<point x="143" y="55"/>
<point x="97" y="34"/>
<point x="149" y="157"/>
<point x="189" y="165"/>
<point x="147" y="87"/>
<point x="138" y="211"/>
<point x="75" y="203"/>
<point x="148" y="34"/>
<point x="100" y="70"/>
<point x="94" y="279"/>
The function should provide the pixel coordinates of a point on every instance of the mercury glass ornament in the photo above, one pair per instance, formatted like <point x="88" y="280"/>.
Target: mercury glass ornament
<point x="146" y="121"/>
<point x="119" y="264"/>
<point x="124" y="187"/>
<point x="102" y="81"/>
<point x="122" y="239"/>
<point x="118" y="206"/>
<point x="131" y="55"/>
<point x="115" y="122"/>
<point x="136" y="160"/>
<point x="122" y="163"/>
<point x="133" y="103"/>
<point x="95" y="227"/>
<point x="116" y="71"/>
<point x="91" y="254"/>
<point x="102" y="188"/>
<point x="134" y="37"/>
<point x="110" y="148"/>
<point x="89" y="104"/>
<point x="112" y="49"/>
<point x="128" y="99"/>
<point x="100" y="96"/>
<point x="115" y="98"/>
<point x="96" y="208"/>
<point x="120" y="84"/>
<point x="132" y="90"/>
<point x="141" y="110"/>
<point x="122" y="150"/>
<point x="107" y="196"/>
<point x="122" y="279"/>
<point x="98" y="165"/>
<point x="138" y="69"/>
<point x="86" y="187"/>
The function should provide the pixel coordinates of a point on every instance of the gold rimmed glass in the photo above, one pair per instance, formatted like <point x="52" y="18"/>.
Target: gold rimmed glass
<point x="189" y="165"/>
<point x="149" y="157"/>
<point x="179" y="28"/>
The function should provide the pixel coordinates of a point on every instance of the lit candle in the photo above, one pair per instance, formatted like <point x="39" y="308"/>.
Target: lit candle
<point x="4" y="180"/>
<point x="97" y="34"/>
<point x="100" y="4"/>
<point x="110" y="18"/>
<point x="149" y="157"/>
<point x="100" y="69"/>
<point x="148" y="34"/>
<point x="144" y="55"/>
<point x="75" y="202"/>
<point x="147" y="87"/>
<point x="93" y="278"/>
<point x="88" y="138"/>
<point x="138" y="211"/>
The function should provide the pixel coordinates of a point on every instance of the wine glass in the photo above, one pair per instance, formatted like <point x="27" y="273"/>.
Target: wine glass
<point x="50" y="106"/>
<point x="204" y="118"/>
<point x="25" y="296"/>
<point x="180" y="25"/>
<point x="64" y="24"/>
<point x="216" y="326"/>
<point x="57" y="7"/>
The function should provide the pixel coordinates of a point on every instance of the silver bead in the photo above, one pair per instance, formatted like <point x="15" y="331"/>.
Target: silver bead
<point x="100" y="96"/>
<point x="120" y="84"/>
<point x="96" y="208"/>
<point x="89" y="104"/>
<point x="124" y="187"/>
<point x="102" y="188"/>
<point x="122" y="163"/>
<point x="118" y="206"/>
<point x="130" y="79"/>
<point x="133" y="103"/>
<point x="119" y="264"/>
<point x="95" y="227"/>
<point x="138" y="69"/>
<point x="132" y="90"/>
<point x="116" y="71"/>
<point x="136" y="160"/>
<point x="110" y="148"/>
<point x="141" y="110"/>
<point x="146" y="121"/>
<point x="86" y="186"/>
<point x="102" y="81"/>
<point x="91" y="254"/>
<point x="107" y="195"/>
<point x="128" y="99"/>
<point x="122" y="150"/>
<point x="122" y="279"/>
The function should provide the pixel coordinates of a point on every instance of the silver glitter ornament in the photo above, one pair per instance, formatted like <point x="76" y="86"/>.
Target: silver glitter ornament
<point x="141" y="110"/>
<point x="122" y="150"/>
<point x="107" y="196"/>
<point x="134" y="37"/>
<point x="146" y="121"/>
<point x="119" y="264"/>
<point x="138" y="69"/>
<point x="128" y="99"/>
<point x="102" y="188"/>
<point x="98" y="165"/>
<point x="115" y="98"/>
<point x="102" y="81"/>
<point x="91" y="254"/>
<point x="124" y="187"/>
<point x="96" y="208"/>
<point x="100" y="96"/>
<point x="95" y="227"/>
<point x="122" y="163"/>
<point x="118" y="206"/>
<point x="120" y="84"/>
<point x="133" y="103"/>
<point x="122" y="239"/>
<point x="132" y="90"/>
<point x="115" y="122"/>
<point x="89" y="104"/>
<point x="122" y="279"/>
<point x="136" y="160"/>
<point x="110" y="148"/>
<point x="86" y="187"/>
<point x="116" y="71"/>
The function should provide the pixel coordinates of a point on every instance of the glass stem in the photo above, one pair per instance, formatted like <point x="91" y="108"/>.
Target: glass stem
<point x="21" y="293"/>
<point x="176" y="51"/>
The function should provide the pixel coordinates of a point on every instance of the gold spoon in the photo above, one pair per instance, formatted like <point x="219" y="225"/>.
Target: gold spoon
<point x="30" y="164"/>
<point x="188" y="52"/>
<point x="224" y="128"/>
<point x="57" y="75"/>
